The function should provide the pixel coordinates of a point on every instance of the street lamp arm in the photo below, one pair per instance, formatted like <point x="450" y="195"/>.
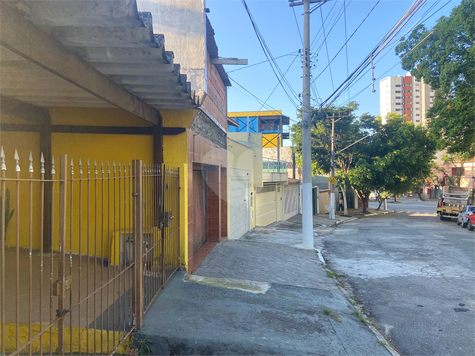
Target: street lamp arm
<point x="361" y="139"/>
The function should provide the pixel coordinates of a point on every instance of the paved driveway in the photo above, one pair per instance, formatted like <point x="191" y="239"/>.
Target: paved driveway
<point x="414" y="275"/>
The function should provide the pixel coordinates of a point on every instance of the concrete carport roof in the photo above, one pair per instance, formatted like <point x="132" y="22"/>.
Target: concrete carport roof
<point x="88" y="53"/>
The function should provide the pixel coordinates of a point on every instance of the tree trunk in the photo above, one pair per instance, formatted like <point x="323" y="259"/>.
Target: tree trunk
<point x="419" y="194"/>
<point x="345" y="207"/>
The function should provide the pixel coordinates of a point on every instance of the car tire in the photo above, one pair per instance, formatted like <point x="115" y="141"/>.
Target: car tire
<point x="458" y="222"/>
<point x="470" y="226"/>
<point x="464" y="225"/>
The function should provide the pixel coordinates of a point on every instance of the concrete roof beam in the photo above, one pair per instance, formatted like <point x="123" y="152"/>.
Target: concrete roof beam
<point x="73" y="36"/>
<point x="105" y="13"/>
<point x="120" y="55"/>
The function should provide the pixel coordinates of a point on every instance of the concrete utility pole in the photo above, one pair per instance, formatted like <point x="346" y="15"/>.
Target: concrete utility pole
<point x="307" y="211"/>
<point x="332" y="172"/>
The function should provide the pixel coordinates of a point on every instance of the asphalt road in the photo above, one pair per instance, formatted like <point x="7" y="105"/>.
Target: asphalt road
<point x="410" y="205"/>
<point x="413" y="274"/>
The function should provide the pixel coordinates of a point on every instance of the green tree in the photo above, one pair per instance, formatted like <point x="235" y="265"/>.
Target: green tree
<point x="446" y="61"/>
<point x="347" y="131"/>
<point x="394" y="160"/>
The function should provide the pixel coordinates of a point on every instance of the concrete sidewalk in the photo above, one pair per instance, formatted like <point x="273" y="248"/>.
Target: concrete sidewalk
<point x="261" y="294"/>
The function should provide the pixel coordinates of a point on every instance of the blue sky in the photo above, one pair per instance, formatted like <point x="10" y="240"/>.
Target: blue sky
<point x="236" y="38"/>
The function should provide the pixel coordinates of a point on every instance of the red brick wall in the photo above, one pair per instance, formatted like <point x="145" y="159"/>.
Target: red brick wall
<point x="216" y="100"/>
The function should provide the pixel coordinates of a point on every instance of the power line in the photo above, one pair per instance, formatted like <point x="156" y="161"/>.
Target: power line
<point x="297" y="24"/>
<point x="277" y="85"/>
<point x="257" y="99"/>
<point x="368" y="60"/>
<point x="326" y="47"/>
<point x="346" y="42"/>
<point x="275" y="67"/>
<point x="346" y="47"/>
<point x="266" y="61"/>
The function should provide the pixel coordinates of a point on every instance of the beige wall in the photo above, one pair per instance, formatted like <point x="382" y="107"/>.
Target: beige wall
<point x="255" y="144"/>
<point x="183" y="24"/>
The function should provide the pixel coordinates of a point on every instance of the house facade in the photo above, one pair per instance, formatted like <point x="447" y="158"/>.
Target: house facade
<point x="201" y="147"/>
<point x="109" y="149"/>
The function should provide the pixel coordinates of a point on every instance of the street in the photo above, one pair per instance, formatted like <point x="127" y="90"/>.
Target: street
<point x="413" y="274"/>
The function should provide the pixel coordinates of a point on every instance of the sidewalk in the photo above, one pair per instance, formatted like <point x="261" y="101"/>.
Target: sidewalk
<point x="261" y="294"/>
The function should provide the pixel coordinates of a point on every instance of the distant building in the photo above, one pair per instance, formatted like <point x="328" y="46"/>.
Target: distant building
<point x="406" y="96"/>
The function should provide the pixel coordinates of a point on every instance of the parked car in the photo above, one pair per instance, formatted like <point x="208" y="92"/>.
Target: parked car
<point x="471" y="222"/>
<point x="463" y="217"/>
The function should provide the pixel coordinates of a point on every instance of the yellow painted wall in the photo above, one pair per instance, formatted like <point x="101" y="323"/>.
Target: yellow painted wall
<point x="177" y="118"/>
<point x="103" y="221"/>
<point x="24" y="142"/>
<point x="102" y="147"/>
<point x="96" y="337"/>
<point x="254" y="113"/>
<point x="107" y="215"/>
<point x="175" y="154"/>
<point x="271" y="140"/>
<point x="95" y="117"/>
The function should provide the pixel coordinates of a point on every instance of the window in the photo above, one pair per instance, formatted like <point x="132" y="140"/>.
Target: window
<point x="417" y="90"/>
<point x="397" y="109"/>
<point x="417" y="96"/>
<point x="398" y="97"/>
<point x="418" y="108"/>
<point x="398" y="103"/>
<point x="398" y="91"/>
<point x="417" y="120"/>
<point x="418" y="102"/>
<point x="398" y="86"/>
<point x="418" y="114"/>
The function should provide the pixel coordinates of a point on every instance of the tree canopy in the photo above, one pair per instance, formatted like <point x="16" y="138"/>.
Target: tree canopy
<point x="446" y="61"/>
<point x="393" y="160"/>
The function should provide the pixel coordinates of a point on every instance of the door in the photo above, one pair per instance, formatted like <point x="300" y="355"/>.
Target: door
<point x="266" y="205"/>
<point x="199" y="211"/>
<point x="239" y="207"/>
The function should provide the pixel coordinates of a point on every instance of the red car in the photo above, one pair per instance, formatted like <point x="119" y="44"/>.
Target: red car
<point x="471" y="222"/>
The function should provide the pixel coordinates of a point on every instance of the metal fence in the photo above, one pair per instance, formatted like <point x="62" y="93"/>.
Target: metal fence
<point x="69" y="241"/>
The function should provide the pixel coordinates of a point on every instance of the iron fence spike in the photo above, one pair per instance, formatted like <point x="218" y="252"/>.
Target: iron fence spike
<point x="108" y="167"/>
<point x="42" y="163"/>
<point x="72" y="167"/>
<point x="53" y="171"/>
<point x="2" y="159"/>
<point x="88" y="165"/>
<point x="80" y="166"/>
<point x="95" y="166"/>
<point x="102" y="166"/>
<point x="30" y="168"/>
<point x="17" y="161"/>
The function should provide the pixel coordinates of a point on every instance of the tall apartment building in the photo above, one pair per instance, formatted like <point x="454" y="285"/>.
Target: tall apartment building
<point x="405" y="96"/>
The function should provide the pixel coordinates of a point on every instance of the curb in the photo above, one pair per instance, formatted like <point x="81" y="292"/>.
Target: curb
<point x="367" y="322"/>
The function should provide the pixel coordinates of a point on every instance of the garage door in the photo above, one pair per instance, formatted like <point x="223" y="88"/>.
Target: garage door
<point x="239" y="207"/>
<point x="291" y="200"/>
<point x="266" y="206"/>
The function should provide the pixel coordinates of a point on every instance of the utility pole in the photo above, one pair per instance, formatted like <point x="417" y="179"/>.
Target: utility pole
<point x="332" y="172"/>
<point x="307" y="210"/>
